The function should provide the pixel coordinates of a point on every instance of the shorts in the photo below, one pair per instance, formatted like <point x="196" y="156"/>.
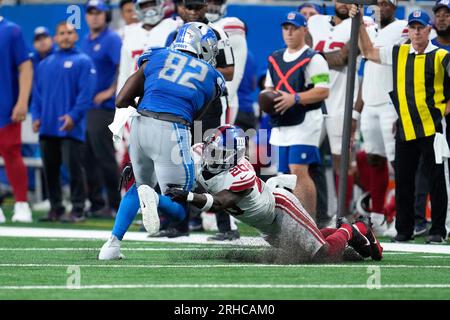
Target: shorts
<point x="334" y="124"/>
<point x="297" y="154"/>
<point x="376" y="128"/>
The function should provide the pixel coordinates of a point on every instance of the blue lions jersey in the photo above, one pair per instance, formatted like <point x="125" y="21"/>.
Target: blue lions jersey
<point x="178" y="83"/>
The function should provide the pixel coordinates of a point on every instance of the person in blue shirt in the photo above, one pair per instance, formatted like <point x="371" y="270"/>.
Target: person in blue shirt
<point x="103" y="46"/>
<point x="61" y="97"/>
<point x="442" y="24"/>
<point x="43" y="46"/>
<point x="175" y="86"/>
<point x="16" y="76"/>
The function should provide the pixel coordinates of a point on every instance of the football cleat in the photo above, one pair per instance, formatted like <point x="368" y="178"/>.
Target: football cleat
<point x="380" y="226"/>
<point x="111" y="250"/>
<point x="22" y="213"/>
<point x="376" y="250"/>
<point x="149" y="208"/>
<point x="359" y="242"/>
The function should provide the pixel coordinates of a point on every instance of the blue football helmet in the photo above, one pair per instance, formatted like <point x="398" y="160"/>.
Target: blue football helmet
<point x="149" y="11"/>
<point x="224" y="148"/>
<point x="199" y="39"/>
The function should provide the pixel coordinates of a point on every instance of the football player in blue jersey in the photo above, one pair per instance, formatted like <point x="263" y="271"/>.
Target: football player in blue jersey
<point x="173" y="90"/>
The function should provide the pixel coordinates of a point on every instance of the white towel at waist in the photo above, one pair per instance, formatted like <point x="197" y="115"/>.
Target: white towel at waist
<point x="441" y="149"/>
<point x="120" y="119"/>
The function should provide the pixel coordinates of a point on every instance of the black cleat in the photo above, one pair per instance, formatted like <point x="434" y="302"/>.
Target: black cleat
<point x="436" y="239"/>
<point x="224" y="236"/>
<point x="359" y="242"/>
<point x="376" y="250"/>
<point x="401" y="238"/>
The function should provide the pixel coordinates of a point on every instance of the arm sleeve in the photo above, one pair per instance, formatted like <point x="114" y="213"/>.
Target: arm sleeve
<point x="20" y="50"/>
<point x="239" y="45"/>
<point x="386" y="55"/>
<point x="317" y="72"/>
<point x="86" y="87"/>
<point x="36" y="102"/>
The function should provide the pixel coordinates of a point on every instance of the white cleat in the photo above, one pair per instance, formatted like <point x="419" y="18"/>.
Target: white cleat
<point x="148" y="201"/>
<point x="111" y="250"/>
<point x="2" y="216"/>
<point x="380" y="226"/>
<point x="22" y="213"/>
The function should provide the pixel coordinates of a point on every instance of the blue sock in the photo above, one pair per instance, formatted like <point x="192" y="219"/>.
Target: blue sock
<point x="128" y="209"/>
<point x="171" y="208"/>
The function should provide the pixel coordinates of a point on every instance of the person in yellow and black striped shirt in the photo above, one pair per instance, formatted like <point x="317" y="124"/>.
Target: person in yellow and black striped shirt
<point x="421" y="96"/>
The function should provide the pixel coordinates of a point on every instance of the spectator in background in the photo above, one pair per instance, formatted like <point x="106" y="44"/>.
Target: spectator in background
<point x="61" y="96"/>
<point x="103" y="46"/>
<point x="43" y="46"/>
<point x="16" y="76"/>
<point x="128" y="15"/>
<point x="308" y="9"/>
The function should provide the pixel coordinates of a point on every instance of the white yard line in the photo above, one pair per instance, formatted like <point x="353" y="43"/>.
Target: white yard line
<point x="192" y="239"/>
<point x="227" y="286"/>
<point x="134" y="249"/>
<point x="212" y="266"/>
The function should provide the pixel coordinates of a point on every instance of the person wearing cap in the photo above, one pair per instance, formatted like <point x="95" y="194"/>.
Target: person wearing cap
<point x="16" y="76"/>
<point x="309" y="9"/>
<point x="378" y="116"/>
<point x="62" y="95"/>
<point x="442" y="24"/>
<point x="421" y="97"/>
<point x="301" y="76"/>
<point x="43" y="45"/>
<point x="103" y="46"/>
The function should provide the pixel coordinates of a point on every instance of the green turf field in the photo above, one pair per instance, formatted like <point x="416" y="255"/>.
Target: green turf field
<point x="49" y="268"/>
<point x="33" y="268"/>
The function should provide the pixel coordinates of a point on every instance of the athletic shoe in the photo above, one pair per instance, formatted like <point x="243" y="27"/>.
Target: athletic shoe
<point x="148" y="201"/>
<point x="376" y="250"/>
<point x="53" y="215"/>
<point x="350" y="254"/>
<point x="380" y="226"/>
<point x="420" y="229"/>
<point x="195" y="224"/>
<point x="111" y="250"/>
<point x="75" y="216"/>
<point x="225" y="236"/>
<point x="2" y="216"/>
<point x="359" y="242"/>
<point x="436" y="239"/>
<point x="22" y="213"/>
<point x="401" y="238"/>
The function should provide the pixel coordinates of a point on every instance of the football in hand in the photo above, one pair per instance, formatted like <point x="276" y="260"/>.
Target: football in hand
<point x="266" y="100"/>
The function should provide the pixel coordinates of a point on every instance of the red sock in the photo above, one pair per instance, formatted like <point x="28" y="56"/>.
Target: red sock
<point x="363" y="170"/>
<point x="327" y="231"/>
<point x="379" y="180"/>
<point x="338" y="240"/>
<point x="16" y="172"/>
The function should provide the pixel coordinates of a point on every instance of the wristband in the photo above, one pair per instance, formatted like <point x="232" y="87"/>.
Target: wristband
<point x="356" y="115"/>
<point x="209" y="202"/>
<point x="190" y="197"/>
<point x="297" y="98"/>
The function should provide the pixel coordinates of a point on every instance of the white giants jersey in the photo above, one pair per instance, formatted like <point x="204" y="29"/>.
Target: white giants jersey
<point x="137" y="40"/>
<point x="375" y="91"/>
<point x="257" y="208"/>
<point x="326" y="38"/>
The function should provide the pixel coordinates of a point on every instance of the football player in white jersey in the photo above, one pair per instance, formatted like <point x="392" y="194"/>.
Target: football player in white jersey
<point x="378" y="115"/>
<point x="231" y="184"/>
<point x="235" y="30"/>
<point x="330" y="34"/>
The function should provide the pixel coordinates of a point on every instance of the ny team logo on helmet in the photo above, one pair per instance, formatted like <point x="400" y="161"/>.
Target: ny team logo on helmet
<point x="224" y="148"/>
<point x="149" y="11"/>
<point x="199" y="39"/>
<point x="217" y="9"/>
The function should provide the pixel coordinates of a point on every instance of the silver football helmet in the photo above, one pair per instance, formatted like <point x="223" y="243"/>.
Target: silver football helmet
<point x="149" y="11"/>
<point x="199" y="39"/>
